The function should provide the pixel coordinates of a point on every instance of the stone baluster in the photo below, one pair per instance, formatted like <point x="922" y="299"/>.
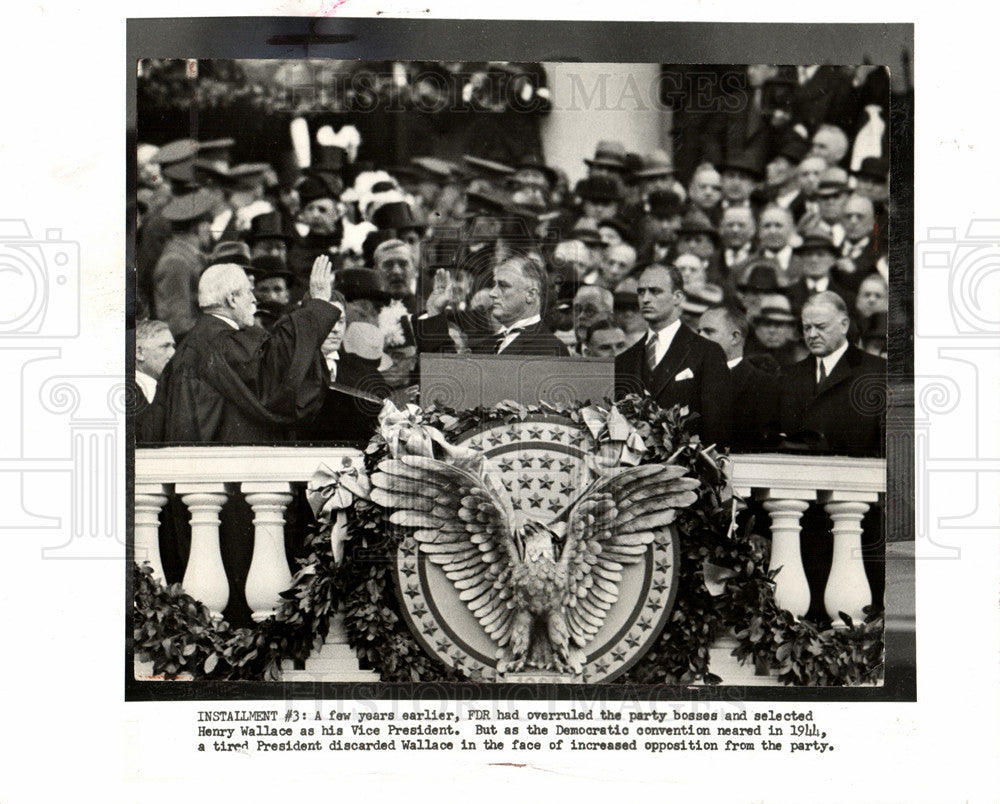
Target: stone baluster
<point x="268" y="575"/>
<point x="205" y="575"/>
<point x="847" y="588"/>
<point x="149" y="501"/>
<point x="786" y="507"/>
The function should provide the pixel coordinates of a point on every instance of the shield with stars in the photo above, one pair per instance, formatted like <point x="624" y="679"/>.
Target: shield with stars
<point x="542" y="463"/>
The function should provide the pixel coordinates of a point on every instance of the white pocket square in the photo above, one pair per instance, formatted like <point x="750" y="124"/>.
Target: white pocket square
<point x="687" y="374"/>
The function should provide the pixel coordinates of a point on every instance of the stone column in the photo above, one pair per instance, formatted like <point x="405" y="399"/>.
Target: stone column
<point x="847" y="588"/>
<point x="268" y="575"/>
<point x="205" y="576"/>
<point x="791" y="587"/>
<point x="149" y="501"/>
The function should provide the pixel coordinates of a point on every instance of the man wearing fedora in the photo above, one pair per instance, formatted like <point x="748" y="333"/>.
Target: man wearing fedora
<point x="861" y="242"/>
<point x="673" y="364"/>
<point x="817" y="257"/>
<point x="609" y="160"/>
<point x="741" y="173"/>
<point x="774" y="239"/>
<point x="321" y="215"/>
<point x="176" y="275"/>
<point x="773" y="343"/>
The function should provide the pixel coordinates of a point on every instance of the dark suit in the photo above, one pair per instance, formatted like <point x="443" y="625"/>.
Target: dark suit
<point x="175" y="285"/>
<point x="536" y="340"/>
<point x="707" y="393"/>
<point x="755" y="408"/>
<point x="351" y="405"/>
<point x="824" y="98"/>
<point x="864" y="260"/>
<point x="848" y="409"/>
<point x="228" y="386"/>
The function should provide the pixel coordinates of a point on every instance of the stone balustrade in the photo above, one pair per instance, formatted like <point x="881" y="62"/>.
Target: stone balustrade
<point x="204" y="478"/>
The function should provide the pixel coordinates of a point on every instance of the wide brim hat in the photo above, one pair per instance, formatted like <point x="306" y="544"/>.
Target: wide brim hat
<point x="487" y="167"/>
<point x="816" y="239"/>
<point x="758" y="275"/>
<point x="609" y="154"/>
<point x="655" y="164"/>
<point x="832" y="181"/>
<point x="176" y="151"/>
<point x="230" y="251"/>
<point x="696" y="222"/>
<point x="664" y="204"/>
<point x="361" y="283"/>
<point x="532" y="161"/>
<point x="192" y="206"/>
<point x="623" y="229"/>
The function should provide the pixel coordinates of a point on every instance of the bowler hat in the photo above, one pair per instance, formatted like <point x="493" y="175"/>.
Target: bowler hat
<point x="609" y="154"/>
<point x="758" y="275"/>
<point x="361" y="283"/>
<point x="586" y="233"/>
<point x="623" y="229"/>
<point x="663" y="204"/>
<point x="267" y="226"/>
<point x="794" y="148"/>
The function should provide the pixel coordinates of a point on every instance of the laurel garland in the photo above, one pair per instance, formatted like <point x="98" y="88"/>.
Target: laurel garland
<point x="178" y="635"/>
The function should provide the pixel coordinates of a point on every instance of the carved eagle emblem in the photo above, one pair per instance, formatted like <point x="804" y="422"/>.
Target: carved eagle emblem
<point x="540" y="590"/>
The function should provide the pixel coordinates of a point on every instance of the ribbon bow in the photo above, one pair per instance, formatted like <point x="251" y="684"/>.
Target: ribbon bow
<point x="329" y="493"/>
<point x="614" y="433"/>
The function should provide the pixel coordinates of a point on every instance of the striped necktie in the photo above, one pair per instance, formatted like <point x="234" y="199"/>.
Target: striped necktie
<point x="502" y="336"/>
<point x="651" y="352"/>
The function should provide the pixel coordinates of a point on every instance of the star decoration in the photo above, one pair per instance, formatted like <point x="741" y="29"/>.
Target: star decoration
<point x="546" y="462"/>
<point x="576" y="438"/>
<point x="618" y="655"/>
<point x="601" y="666"/>
<point x="430" y="629"/>
<point x="565" y="488"/>
<point x="555" y="506"/>
<point x="407" y="570"/>
<point x="535" y="500"/>
<point x="659" y="587"/>
<point x="632" y="641"/>
<point x="442" y="645"/>
<point x="545" y="482"/>
<point x="419" y="610"/>
<point x="556" y="435"/>
<point x="535" y="433"/>
<point x="508" y="484"/>
<point x="495" y="438"/>
<point x="412" y="590"/>
<point x="645" y="624"/>
<point x="507" y="464"/>
<point x="525" y="481"/>
<point x="663" y="565"/>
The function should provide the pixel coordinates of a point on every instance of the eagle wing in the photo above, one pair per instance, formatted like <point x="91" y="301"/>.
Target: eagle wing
<point x="610" y="527"/>
<point x="463" y="524"/>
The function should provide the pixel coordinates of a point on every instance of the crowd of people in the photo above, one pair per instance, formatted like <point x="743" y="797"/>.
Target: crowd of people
<point x="754" y="291"/>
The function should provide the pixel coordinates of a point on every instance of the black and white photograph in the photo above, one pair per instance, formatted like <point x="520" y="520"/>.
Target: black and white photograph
<point x="574" y="401"/>
<point x="521" y="373"/>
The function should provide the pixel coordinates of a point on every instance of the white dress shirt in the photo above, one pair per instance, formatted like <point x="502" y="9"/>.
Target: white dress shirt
<point x="734" y="362"/>
<point x="147" y="384"/>
<point x="820" y="285"/>
<point x="663" y="339"/>
<point x="831" y="360"/>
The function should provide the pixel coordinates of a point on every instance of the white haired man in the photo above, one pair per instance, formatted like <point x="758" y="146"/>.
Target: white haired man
<point x="231" y="382"/>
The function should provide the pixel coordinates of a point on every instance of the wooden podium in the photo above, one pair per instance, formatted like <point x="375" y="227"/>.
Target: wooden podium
<point x="468" y="381"/>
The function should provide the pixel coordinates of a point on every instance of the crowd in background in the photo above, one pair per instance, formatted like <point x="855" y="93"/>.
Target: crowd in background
<point x="789" y="200"/>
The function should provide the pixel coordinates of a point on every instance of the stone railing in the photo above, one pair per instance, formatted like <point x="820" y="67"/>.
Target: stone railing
<point x="204" y="478"/>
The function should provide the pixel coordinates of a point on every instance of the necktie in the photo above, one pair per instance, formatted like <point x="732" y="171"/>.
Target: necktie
<point x="502" y="336"/>
<point x="651" y="352"/>
<point x="822" y="373"/>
